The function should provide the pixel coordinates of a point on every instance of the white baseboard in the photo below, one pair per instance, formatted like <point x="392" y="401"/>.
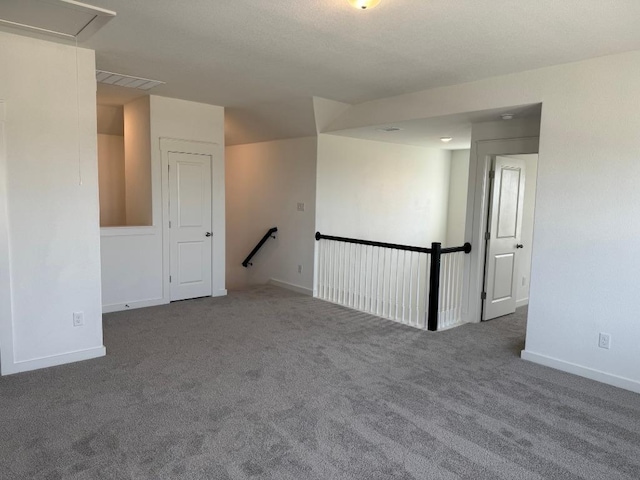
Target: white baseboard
<point x="53" y="361"/>
<point x="597" y="375"/>
<point x="522" y="303"/>
<point x="219" y="293"/>
<point x="292" y="287"/>
<point x="119" y="307"/>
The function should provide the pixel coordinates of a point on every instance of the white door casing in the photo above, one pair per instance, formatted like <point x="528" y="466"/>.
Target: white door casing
<point x="7" y="360"/>
<point x="504" y="235"/>
<point x="217" y="241"/>
<point x="190" y="233"/>
<point x="482" y="154"/>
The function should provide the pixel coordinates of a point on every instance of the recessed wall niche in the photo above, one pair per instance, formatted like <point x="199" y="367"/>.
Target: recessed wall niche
<point x="124" y="164"/>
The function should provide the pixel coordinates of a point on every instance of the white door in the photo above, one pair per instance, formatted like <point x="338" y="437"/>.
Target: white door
<point x="505" y="225"/>
<point x="190" y="225"/>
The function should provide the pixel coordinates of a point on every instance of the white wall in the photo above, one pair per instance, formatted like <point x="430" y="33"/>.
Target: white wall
<point x="51" y="196"/>
<point x="457" y="207"/>
<point x="587" y="201"/>
<point x="137" y="162"/>
<point x="110" y="120"/>
<point x="382" y="191"/>
<point x="264" y="183"/>
<point x="132" y="258"/>
<point x="111" y="180"/>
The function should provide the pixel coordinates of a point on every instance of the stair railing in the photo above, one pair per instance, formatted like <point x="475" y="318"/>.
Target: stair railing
<point x="269" y="234"/>
<point x="417" y="286"/>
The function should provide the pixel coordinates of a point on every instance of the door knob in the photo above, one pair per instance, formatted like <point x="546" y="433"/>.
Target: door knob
<point x="519" y="245"/>
<point x="208" y="234"/>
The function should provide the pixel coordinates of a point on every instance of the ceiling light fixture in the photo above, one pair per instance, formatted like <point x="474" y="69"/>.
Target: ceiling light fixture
<point x="364" y="4"/>
<point x="446" y="139"/>
<point x="507" y="116"/>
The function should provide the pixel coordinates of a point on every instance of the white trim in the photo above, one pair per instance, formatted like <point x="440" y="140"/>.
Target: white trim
<point x="291" y="286"/>
<point x="522" y="302"/>
<point x="120" y="307"/>
<point x="127" y="231"/>
<point x="153" y="302"/>
<point x="216" y="152"/>
<point x="597" y="375"/>
<point x="476" y="222"/>
<point x="6" y="309"/>
<point x="54" y="360"/>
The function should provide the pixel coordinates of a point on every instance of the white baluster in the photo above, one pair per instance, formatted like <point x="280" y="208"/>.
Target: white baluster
<point x="418" y="292"/>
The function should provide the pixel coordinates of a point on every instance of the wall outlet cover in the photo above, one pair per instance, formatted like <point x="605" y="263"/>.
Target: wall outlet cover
<point x="604" y="341"/>
<point x="78" y="319"/>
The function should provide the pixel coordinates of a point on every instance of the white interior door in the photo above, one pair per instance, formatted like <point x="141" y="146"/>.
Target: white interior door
<point x="190" y="225"/>
<point x="505" y="225"/>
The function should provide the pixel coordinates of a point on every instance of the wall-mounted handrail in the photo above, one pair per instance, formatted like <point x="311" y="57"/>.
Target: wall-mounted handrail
<point x="435" y="252"/>
<point x="270" y="233"/>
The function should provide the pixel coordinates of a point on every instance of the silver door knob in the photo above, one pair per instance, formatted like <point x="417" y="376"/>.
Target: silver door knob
<point x="208" y="234"/>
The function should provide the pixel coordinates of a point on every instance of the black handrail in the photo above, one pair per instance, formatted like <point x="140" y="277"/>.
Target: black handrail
<point x="436" y="251"/>
<point x="466" y="248"/>
<point x="270" y="233"/>
<point x="395" y="246"/>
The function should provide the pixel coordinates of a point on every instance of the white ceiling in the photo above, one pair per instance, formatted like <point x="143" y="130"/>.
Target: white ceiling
<point x="244" y="52"/>
<point x="265" y="59"/>
<point x="427" y="132"/>
<point x="61" y="18"/>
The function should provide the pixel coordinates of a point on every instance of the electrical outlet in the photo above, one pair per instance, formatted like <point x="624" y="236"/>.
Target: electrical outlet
<point x="604" y="341"/>
<point x="299" y="268"/>
<point x="78" y="319"/>
<point x="301" y="207"/>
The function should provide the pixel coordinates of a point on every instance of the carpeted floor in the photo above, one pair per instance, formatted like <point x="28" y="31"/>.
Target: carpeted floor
<point x="269" y="384"/>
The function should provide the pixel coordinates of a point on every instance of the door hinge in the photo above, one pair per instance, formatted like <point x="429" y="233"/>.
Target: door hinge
<point x="483" y="296"/>
<point x="169" y="278"/>
<point x="169" y="223"/>
<point x="487" y="236"/>
<point x="492" y="174"/>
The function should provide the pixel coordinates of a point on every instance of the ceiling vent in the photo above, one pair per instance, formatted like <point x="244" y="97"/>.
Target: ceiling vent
<point x="58" y="18"/>
<point x="127" y="81"/>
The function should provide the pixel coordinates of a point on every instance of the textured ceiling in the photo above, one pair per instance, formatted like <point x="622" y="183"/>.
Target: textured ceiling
<point x="243" y="52"/>
<point x="265" y="59"/>
<point x="427" y="132"/>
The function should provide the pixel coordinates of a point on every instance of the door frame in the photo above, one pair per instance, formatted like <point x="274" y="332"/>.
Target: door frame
<point x="477" y="211"/>
<point x="175" y="145"/>
<point x="489" y="225"/>
<point x="7" y="359"/>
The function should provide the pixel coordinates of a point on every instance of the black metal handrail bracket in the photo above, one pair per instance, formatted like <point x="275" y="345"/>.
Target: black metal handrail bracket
<point x="270" y="233"/>
<point x="436" y="251"/>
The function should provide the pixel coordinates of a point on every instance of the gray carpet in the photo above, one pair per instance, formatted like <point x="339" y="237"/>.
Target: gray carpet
<point x="268" y="384"/>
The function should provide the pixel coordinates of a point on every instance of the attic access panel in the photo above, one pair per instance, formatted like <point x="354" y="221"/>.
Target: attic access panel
<point x="59" y="18"/>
